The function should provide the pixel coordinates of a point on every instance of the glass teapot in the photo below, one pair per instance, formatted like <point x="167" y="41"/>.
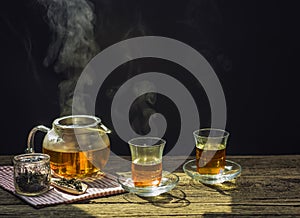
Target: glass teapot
<point x="78" y="145"/>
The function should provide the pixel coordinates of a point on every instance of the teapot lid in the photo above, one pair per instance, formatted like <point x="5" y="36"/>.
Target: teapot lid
<point x="76" y="122"/>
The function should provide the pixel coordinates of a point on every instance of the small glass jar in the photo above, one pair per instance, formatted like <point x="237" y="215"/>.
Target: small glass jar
<point x="32" y="174"/>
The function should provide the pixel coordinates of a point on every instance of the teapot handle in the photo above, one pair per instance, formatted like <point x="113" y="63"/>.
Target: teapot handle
<point x="30" y="140"/>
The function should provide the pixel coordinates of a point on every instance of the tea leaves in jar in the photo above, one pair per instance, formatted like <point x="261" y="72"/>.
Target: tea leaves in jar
<point x="30" y="182"/>
<point x="32" y="174"/>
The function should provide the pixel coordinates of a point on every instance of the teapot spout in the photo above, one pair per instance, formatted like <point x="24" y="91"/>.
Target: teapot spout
<point x="101" y="128"/>
<point x="104" y="128"/>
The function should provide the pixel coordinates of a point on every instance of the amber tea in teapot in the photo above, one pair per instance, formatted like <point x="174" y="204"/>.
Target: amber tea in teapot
<point x="78" y="145"/>
<point x="77" y="163"/>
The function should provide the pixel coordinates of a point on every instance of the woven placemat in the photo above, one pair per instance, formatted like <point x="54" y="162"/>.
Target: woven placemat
<point x="104" y="186"/>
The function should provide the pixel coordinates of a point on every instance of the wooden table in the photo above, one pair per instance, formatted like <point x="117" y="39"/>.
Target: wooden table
<point x="268" y="186"/>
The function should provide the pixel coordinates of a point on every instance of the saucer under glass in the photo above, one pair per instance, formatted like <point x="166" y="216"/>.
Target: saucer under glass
<point x="231" y="171"/>
<point x="168" y="182"/>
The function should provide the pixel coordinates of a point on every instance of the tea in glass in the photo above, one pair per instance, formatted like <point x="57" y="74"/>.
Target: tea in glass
<point x="210" y="150"/>
<point x="146" y="174"/>
<point x="146" y="165"/>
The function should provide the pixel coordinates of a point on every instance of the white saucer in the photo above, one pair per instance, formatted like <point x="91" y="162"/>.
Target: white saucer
<point x="231" y="171"/>
<point x="168" y="182"/>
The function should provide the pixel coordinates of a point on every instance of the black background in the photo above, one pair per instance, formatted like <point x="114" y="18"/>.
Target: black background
<point x="253" y="47"/>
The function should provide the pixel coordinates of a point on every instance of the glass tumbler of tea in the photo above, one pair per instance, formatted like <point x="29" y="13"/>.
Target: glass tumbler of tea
<point x="32" y="174"/>
<point x="146" y="154"/>
<point x="210" y="150"/>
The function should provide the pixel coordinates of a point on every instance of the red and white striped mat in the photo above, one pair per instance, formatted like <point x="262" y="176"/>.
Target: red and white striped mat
<point x="107" y="185"/>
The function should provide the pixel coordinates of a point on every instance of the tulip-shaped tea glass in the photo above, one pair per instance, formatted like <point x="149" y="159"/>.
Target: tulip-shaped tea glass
<point x="146" y="153"/>
<point x="210" y="165"/>
<point x="211" y="150"/>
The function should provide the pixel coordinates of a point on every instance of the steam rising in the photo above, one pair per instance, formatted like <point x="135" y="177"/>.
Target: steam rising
<point x="73" y="43"/>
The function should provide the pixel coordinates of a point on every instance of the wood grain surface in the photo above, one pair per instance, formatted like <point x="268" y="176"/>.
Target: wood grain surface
<point x="268" y="186"/>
